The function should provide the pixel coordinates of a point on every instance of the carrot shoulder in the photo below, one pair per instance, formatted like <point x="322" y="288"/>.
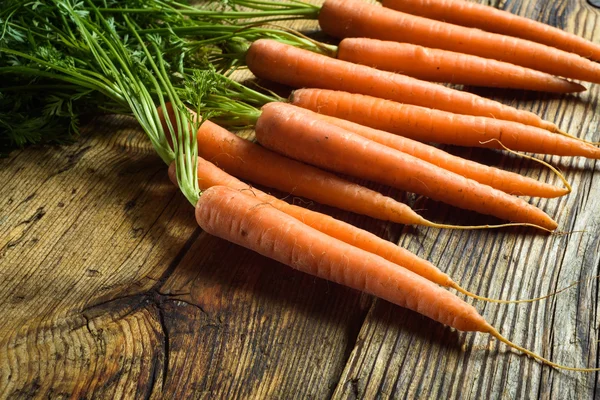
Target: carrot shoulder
<point x="249" y="222"/>
<point x="269" y="59"/>
<point x="357" y="18"/>
<point x="291" y="131"/>
<point x="491" y="19"/>
<point x="506" y="181"/>
<point x="428" y="125"/>
<point x="437" y="65"/>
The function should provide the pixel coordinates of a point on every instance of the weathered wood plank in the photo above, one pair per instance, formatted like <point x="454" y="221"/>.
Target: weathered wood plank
<point x="109" y="289"/>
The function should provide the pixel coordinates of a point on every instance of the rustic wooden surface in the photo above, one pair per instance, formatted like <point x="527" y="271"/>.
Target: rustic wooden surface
<point x="108" y="289"/>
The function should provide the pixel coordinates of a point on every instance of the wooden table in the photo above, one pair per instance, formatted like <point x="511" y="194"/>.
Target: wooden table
<point x="108" y="289"/>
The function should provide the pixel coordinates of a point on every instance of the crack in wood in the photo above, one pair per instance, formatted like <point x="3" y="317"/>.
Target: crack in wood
<point x="165" y="344"/>
<point x="153" y="378"/>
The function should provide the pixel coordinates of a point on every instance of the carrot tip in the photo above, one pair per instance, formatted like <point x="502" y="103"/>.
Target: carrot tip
<point x="580" y="88"/>
<point x="459" y="289"/>
<point x="549" y="228"/>
<point x="492" y="331"/>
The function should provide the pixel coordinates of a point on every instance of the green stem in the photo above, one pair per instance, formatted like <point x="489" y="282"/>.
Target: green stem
<point x="69" y="78"/>
<point x="186" y="147"/>
<point x="308" y="13"/>
<point x="39" y="87"/>
<point x="232" y="113"/>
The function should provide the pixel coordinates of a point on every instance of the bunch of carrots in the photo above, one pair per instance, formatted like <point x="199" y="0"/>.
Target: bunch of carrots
<point x="363" y="109"/>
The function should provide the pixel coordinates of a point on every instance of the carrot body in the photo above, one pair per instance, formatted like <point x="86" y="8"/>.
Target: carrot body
<point x="356" y="18"/>
<point x="437" y="65"/>
<point x="429" y="125"/>
<point x="251" y="223"/>
<point x="269" y="59"/>
<point x="475" y="15"/>
<point x="506" y="181"/>
<point x="254" y="163"/>
<point x="291" y="131"/>
<point x="210" y="175"/>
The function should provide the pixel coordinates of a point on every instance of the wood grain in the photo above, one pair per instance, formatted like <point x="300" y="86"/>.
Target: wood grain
<point x="109" y="289"/>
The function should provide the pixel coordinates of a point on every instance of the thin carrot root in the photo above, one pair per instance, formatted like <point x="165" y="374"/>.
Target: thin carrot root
<point x="460" y="289"/>
<point x="481" y="227"/>
<point x="426" y="222"/>
<point x="492" y="331"/>
<point x="544" y="163"/>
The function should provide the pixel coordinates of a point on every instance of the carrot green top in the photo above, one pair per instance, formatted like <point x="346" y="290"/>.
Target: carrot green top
<point x="125" y="64"/>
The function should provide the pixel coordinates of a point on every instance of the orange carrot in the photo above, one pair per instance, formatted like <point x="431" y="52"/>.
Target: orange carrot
<point x="291" y="131"/>
<point x="254" y="163"/>
<point x="506" y="181"/>
<point x="427" y="125"/>
<point x="269" y="59"/>
<point x="356" y="18"/>
<point x="490" y="19"/>
<point x="249" y="222"/>
<point x="437" y="65"/>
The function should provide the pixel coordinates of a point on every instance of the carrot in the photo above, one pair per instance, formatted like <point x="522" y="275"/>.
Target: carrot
<point x="490" y="19"/>
<point x="291" y="131"/>
<point x="427" y="125"/>
<point x="249" y="222"/>
<point x="437" y="65"/>
<point x="269" y="59"/>
<point x="505" y="181"/>
<point x="356" y="18"/>
<point x="252" y="162"/>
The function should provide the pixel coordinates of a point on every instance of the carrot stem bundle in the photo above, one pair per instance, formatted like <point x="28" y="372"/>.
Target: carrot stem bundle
<point x="291" y="131"/>
<point x="429" y="125"/>
<point x="356" y="18"/>
<point x="437" y="65"/>
<point x="295" y="67"/>
<point x="490" y="19"/>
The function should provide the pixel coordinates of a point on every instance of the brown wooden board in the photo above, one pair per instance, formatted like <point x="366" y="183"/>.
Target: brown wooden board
<point x="108" y="289"/>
